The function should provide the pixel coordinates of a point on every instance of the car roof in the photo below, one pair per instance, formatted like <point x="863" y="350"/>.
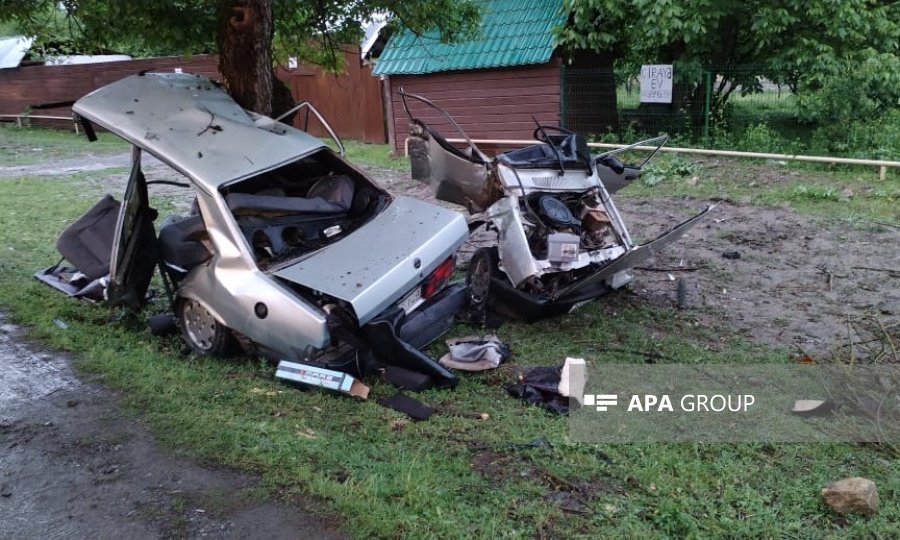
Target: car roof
<point x="192" y="124"/>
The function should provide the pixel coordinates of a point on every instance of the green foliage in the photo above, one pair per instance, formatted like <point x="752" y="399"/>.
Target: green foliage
<point x="875" y="138"/>
<point x="671" y="168"/>
<point x="815" y="193"/>
<point x="311" y="31"/>
<point x="762" y="138"/>
<point x="862" y="87"/>
<point x="841" y="56"/>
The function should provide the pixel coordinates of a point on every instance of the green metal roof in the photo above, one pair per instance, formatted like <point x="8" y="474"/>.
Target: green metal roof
<point x="513" y="33"/>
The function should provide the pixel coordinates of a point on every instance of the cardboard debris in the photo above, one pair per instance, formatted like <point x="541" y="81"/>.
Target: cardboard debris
<point x="572" y="379"/>
<point x="323" y="378"/>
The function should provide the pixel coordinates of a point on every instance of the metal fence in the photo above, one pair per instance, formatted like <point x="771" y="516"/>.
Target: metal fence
<point x="706" y="105"/>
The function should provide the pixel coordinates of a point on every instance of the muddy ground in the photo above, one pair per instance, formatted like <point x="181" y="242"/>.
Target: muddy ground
<point x="796" y="282"/>
<point x="73" y="465"/>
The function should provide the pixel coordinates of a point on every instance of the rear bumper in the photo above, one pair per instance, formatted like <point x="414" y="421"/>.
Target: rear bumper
<point x="396" y="338"/>
<point x="512" y="303"/>
<point x="434" y="318"/>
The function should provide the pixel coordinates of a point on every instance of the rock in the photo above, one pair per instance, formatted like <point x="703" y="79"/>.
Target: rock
<point x="852" y="495"/>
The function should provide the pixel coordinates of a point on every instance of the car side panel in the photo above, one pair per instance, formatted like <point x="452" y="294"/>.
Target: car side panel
<point x="230" y="286"/>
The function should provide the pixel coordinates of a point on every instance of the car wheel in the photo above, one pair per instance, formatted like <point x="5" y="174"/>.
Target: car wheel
<point x="202" y="332"/>
<point x="483" y="266"/>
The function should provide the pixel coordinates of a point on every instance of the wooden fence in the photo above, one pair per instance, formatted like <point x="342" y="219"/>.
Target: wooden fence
<point x="352" y="101"/>
<point x="23" y="88"/>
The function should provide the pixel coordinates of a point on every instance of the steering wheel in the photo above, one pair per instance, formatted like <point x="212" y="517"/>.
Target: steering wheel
<point x="538" y="133"/>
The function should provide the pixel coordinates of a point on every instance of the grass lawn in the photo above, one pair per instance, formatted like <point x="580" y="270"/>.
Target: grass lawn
<point x="452" y="476"/>
<point x="26" y="146"/>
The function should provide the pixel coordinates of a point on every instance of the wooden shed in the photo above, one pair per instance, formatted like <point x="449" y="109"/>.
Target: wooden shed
<point x="492" y="84"/>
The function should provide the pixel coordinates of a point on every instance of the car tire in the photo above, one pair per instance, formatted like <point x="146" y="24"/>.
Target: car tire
<point x="202" y="332"/>
<point x="484" y="265"/>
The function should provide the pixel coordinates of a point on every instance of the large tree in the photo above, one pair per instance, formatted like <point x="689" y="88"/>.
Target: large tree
<point x="845" y="47"/>
<point x="249" y="35"/>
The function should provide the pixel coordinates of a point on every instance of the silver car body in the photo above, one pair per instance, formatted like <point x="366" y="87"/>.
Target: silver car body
<point x="191" y="124"/>
<point x="560" y="237"/>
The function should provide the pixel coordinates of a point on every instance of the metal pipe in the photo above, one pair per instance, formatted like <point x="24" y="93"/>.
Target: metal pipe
<point x="724" y="153"/>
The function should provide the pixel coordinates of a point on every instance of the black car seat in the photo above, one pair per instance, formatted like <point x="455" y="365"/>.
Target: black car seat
<point x="87" y="243"/>
<point x="179" y="242"/>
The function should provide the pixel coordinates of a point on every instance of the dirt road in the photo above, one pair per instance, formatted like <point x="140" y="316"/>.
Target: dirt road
<point x="74" y="465"/>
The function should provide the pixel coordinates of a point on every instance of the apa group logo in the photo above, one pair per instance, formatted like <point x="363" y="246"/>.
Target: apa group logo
<point x="601" y="401"/>
<point x="664" y="403"/>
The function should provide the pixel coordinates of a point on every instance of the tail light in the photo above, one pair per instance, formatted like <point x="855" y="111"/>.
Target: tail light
<point x="437" y="279"/>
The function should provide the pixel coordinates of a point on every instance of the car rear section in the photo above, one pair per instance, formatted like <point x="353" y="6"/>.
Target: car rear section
<point x="386" y="286"/>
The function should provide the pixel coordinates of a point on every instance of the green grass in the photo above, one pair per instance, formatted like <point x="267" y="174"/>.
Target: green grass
<point x="377" y="155"/>
<point x="454" y="477"/>
<point x="29" y="145"/>
<point x="852" y="194"/>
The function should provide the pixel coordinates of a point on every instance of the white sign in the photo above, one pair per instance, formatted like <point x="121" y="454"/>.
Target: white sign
<point x="656" y="83"/>
<point x="292" y="62"/>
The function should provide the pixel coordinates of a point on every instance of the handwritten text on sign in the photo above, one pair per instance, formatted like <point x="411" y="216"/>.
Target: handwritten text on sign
<point x="656" y="83"/>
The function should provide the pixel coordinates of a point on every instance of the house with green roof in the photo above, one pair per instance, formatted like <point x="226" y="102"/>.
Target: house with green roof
<point x="492" y="84"/>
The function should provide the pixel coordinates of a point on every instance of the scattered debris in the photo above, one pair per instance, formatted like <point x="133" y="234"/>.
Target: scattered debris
<point x="734" y="255"/>
<point x="72" y="403"/>
<point x="411" y="407"/>
<point x="681" y="293"/>
<point x="549" y="387"/>
<point x="852" y="495"/>
<point x="811" y="407"/>
<point x="463" y="414"/>
<point x="162" y="325"/>
<point x="61" y="324"/>
<point x="407" y="378"/>
<point x="571" y="378"/>
<point x="475" y="353"/>
<point x="321" y="377"/>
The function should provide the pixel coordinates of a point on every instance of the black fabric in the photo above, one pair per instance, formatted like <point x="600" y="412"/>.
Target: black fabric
<point x="411" y="407"/>
<point x="540" y="386"/>
<point x="407" y="378"/>
<point x="87" y="243"/>
<point x="178" y="243"/>
<point x="614" y="163"/>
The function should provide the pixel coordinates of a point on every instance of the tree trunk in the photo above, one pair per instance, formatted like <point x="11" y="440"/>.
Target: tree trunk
<point x="244" y="39"/>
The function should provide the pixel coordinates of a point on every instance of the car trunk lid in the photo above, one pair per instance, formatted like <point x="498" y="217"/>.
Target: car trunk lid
<point x="377" y="264"/>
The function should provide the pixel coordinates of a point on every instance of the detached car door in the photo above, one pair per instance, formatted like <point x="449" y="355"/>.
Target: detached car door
<point x="134" y="250"/>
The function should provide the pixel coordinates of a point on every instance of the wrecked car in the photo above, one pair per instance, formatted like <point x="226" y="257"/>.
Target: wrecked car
<point x="560" y="241"/>
<point x="289" y="250"/>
